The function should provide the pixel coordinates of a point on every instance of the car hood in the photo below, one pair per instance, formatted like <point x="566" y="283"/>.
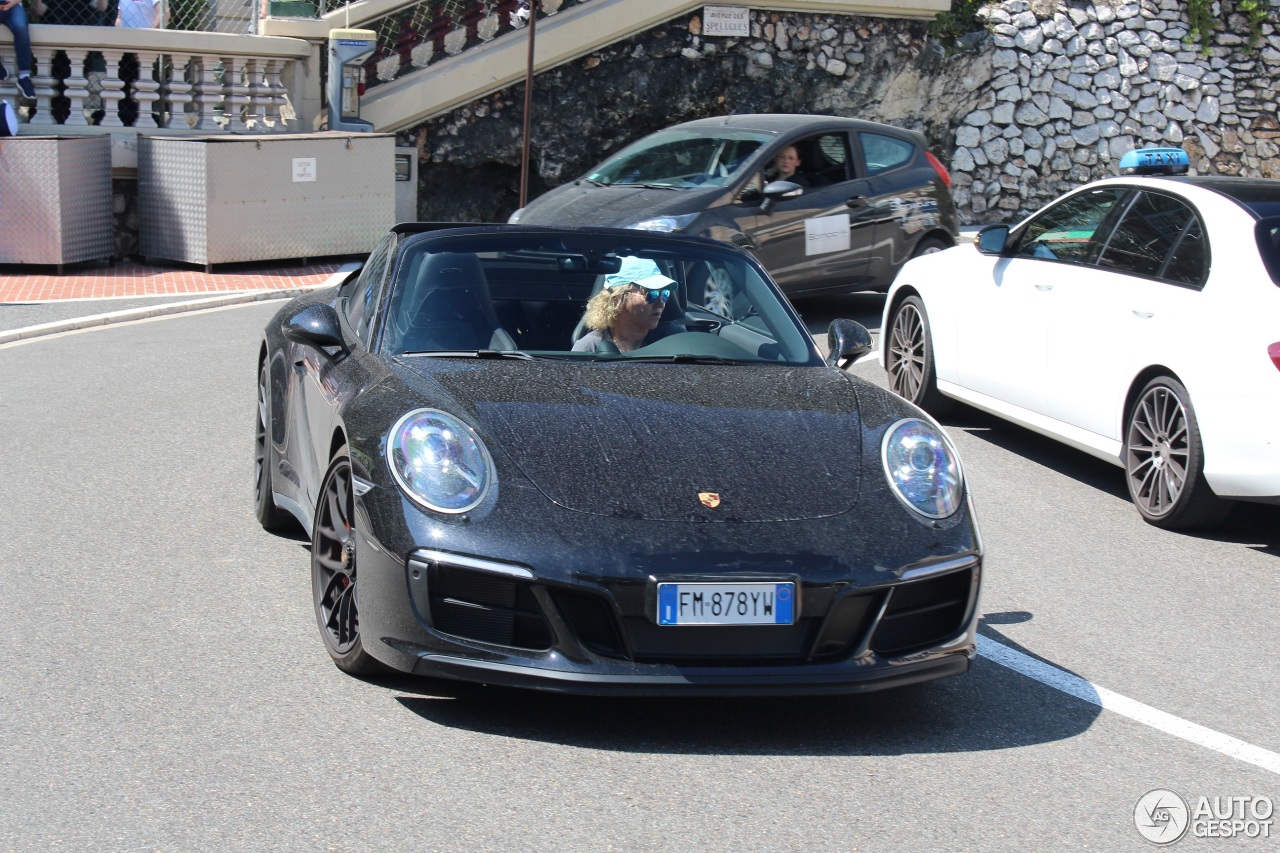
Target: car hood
<point x="584" y="204"/>
<point x="664" y="442"/>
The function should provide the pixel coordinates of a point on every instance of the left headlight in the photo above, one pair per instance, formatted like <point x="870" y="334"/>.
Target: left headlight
<point x="923" y="468"/>
<point x="665" y="223"/>
<point x="439" y="461"/>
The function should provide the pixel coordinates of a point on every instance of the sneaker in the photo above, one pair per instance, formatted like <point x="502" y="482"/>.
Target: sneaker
<point x="4" y="72"/>
<point x="28" y="88"/>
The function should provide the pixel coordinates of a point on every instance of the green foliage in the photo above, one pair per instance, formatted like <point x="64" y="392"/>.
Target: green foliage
<point x="1203" y="23"/>
<point x="961" y="20"/>
<point x="1256" y="12"/>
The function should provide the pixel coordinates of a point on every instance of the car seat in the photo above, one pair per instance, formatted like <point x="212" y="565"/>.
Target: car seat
<point x="455" y="311"/>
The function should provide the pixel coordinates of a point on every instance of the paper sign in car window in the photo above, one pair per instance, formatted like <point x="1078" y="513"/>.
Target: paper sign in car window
<point x="824" y="234"/>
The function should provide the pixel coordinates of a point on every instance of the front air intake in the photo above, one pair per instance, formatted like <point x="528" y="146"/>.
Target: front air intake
<point x="923" y="613"/>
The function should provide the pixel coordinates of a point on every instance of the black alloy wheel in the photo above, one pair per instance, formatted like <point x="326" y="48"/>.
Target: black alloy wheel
<point x="333" y="571"/>
<point x="270" y="516"/>
<point x="1164" y="460"/>
<point x="909" y="358"/>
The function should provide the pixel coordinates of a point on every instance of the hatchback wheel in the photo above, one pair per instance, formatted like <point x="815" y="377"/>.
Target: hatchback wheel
<point x="909" y="358"/>
<point x="1164" y="460"/>
<point x="930" y="245"/>
<point x="334" y="579"/>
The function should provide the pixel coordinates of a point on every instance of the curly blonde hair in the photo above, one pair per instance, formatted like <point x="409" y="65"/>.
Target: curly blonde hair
<point x="605" y="306"/>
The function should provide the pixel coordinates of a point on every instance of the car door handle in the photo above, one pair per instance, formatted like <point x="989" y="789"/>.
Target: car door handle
<point x="1044" y="288"/>
<point x="1143" y="315"/>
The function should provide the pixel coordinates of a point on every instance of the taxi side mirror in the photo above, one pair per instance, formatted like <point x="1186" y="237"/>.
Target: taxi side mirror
<point x="991" y="240"/>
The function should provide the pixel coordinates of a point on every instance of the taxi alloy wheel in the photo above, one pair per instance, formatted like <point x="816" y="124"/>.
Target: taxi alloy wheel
<point x="334" y="577"/>
<point x="909" y="358"/>
<point x="1164" y="460"/>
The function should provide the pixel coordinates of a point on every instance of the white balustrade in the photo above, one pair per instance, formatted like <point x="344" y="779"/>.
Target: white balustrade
<point x="195" y="82"/>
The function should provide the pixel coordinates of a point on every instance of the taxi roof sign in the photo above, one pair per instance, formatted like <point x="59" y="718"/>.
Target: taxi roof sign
<point x="1155" y="161"/>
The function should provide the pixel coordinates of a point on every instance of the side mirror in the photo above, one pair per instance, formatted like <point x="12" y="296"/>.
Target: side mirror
<point x="775" y="190"/>
<point x="991" y="240"/>
<point x="316" y="326"/>
<point x="846" y="341"/>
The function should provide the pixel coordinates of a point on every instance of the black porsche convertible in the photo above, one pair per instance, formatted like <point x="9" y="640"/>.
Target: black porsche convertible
<point x="501" y="484"/>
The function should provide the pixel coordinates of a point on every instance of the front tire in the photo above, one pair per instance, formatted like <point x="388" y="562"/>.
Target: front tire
<point x="334" y="578"/>
<point x="1164" y="460"/>
<point x="270" y="516"/>
<point x="909" y="358"/>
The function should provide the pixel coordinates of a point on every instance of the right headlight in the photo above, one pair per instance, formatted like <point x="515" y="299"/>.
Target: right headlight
<point x="923" y="468"/>
<point x="439" y="461"/>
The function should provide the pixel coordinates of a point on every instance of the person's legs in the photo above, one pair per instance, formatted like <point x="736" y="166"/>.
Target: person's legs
<point x="16" y="20"/>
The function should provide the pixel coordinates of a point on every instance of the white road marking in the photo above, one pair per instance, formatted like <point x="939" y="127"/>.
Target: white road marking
<point x="1078" y="687"/>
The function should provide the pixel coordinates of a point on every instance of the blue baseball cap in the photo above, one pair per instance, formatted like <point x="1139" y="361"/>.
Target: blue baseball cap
<point x="638" y="271"/>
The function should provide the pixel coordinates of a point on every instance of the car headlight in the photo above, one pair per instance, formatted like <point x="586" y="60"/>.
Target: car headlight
<point x="439" y="461"/>
<point x="922" y="467"/>
<point x="664" y="223"/>
<point x="515" y="217"/>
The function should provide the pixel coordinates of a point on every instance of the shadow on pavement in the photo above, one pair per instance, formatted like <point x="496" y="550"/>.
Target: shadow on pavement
<point x="990" y="708"/>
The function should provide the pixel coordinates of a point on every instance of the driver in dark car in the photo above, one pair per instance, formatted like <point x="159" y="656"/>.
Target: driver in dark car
<point x="627" y="312"/>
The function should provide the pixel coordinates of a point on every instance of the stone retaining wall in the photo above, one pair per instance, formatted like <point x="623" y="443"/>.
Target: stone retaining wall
<point x="1075" y="86"/>
<point x="1050" y="96"/>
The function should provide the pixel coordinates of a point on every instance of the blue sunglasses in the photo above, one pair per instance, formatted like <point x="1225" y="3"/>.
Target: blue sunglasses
<point x="655" y="295"/>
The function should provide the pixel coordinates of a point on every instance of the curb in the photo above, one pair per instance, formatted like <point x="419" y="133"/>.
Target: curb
<point x="130" y="314"/>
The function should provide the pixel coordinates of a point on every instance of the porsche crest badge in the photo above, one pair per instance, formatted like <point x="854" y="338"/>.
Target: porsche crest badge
<point x="711" y="500"/>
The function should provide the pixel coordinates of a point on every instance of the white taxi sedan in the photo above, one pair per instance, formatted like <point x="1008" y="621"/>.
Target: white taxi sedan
<point x="1136" y="318"/>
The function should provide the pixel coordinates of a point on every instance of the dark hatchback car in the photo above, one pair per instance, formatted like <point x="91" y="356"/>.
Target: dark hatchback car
<point x="719" y="510"/>
<point x="869" y="196"/>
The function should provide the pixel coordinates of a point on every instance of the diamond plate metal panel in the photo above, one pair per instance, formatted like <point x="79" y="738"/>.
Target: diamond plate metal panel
<point x="225" y="199"/>
<point x="55" y="199"/>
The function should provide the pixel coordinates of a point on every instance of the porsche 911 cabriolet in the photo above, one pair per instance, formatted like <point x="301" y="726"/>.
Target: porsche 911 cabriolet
<point x="502" y="484"/>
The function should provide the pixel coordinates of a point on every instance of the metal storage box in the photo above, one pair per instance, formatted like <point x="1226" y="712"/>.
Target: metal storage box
<point x="55" y="199"/>
<point x="223" y="199"/>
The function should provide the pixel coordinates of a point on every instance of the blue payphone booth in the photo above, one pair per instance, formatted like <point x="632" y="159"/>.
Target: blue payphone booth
<point x="347" y="50"/>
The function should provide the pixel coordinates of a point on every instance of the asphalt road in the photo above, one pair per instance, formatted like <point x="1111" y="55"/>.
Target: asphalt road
<point x="165" y="686"/>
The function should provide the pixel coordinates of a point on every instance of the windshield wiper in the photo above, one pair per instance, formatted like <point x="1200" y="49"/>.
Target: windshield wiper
<point x="648" y="186"/>
<point x="691" y="358"/>
<point x="473" y="353"/>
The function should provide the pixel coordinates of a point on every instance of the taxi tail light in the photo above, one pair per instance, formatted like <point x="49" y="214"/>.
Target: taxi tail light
<point x="1274" y="352"/>
<point x="939" y="168"/>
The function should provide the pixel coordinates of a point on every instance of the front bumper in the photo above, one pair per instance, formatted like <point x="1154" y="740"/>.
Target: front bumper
<point x="471" y="619"/>
<point x="696" y="681"/>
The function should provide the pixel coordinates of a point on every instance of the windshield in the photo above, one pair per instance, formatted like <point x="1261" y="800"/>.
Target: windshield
<point x="571" y="295"/>
<point x="681" y="158"/>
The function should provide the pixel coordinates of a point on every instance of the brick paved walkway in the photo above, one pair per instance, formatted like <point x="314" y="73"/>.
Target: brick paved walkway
<point x="127" y="278"/>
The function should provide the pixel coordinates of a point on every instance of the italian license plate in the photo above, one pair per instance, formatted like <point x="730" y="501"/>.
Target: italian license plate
<point x="726" y="603"/>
